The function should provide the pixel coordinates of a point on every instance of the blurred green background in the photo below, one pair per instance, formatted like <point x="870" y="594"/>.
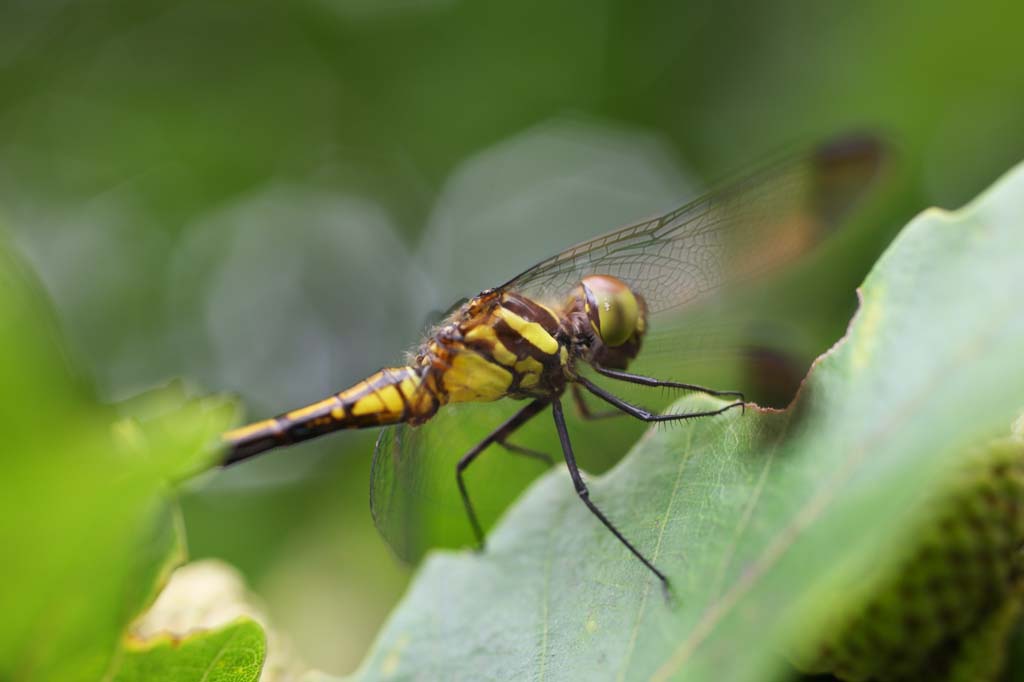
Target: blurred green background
<point x="269" y="198"/>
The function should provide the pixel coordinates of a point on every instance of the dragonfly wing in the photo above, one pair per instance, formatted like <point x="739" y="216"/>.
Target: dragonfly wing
<point x="695" y="265"/>
<point x="414" y="497"/>
<point x="744" y="229"/>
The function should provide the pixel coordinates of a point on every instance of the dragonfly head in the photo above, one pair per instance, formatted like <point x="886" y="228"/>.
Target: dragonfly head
<point x="617" y="318"/>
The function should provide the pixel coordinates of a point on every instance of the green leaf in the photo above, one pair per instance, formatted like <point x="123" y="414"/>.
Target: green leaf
<point x="233" y="653"/>
<point x="767" y="523"/>
<point x="177" y="431"/>
<point x="89" y="527"/>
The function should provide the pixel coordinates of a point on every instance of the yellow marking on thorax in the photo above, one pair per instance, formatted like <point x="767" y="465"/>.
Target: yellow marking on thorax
<point x="530" y="371"/>
<point x="529" y="380"/>
<point x="535" y="334"/>
<point x="485" y="333"/>
<point x="472" y="378"/>
<point x="529" y="366"/>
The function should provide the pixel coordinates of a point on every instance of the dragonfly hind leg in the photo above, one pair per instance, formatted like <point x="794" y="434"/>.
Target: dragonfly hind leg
<point x="584" y="493"/>
<point x="499" y="436"/>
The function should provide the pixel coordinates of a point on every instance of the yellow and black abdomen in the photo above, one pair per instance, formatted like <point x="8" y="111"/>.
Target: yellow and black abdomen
<point x="391" y="396"/>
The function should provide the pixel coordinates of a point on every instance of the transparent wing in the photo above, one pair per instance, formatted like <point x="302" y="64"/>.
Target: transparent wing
<point x="414" y="497"/>
<point x="746" y="228"/>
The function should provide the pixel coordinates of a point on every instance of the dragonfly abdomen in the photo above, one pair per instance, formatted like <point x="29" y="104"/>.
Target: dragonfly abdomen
<point x="391" y="396"/>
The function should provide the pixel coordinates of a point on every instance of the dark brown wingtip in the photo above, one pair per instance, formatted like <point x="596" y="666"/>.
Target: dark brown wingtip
<point x="773" y="374"/>
<point x="867" y="149"/>
<point x="846" y="167"/>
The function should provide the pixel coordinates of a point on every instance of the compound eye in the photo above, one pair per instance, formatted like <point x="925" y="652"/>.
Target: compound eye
<point x="612" y="308"/>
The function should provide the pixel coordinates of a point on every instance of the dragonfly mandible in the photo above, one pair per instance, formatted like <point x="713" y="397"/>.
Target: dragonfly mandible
<point x="594" y="305"/>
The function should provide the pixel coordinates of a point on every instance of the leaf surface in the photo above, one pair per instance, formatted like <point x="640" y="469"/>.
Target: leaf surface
<point x="88" y="524"/>
<point x="233" y="653"/>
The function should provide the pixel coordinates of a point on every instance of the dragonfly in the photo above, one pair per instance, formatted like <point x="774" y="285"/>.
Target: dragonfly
<point x="594" y="308"/>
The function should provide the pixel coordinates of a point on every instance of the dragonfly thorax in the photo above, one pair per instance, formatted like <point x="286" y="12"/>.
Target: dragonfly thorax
<point x="497" y="344"/>
<point x="506" y="344"/>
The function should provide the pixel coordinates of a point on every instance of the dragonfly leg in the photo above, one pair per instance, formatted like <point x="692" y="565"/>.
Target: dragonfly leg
<point x="584" y="410"/>
<point x="659" y="383"/>
<point x="584" y="493"/>
<point x="526" y="452"/>
<point x="643" y="414"/>
<point x="497" y="436"/>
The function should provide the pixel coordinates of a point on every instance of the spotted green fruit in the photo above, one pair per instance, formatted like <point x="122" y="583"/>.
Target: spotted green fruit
<point x="947" y="609"/>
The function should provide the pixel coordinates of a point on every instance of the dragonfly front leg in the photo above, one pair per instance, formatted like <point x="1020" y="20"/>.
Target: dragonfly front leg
<point x="660" y="383"/>
<point x="643" y="414"/>
<point x="499" y="435"/>
<point x="584" y="493"/>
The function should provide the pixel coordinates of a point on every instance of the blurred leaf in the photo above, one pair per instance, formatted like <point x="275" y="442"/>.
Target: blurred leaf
<point x="171" y="423"/>
<point x="233" y="653"/>
<point x="206" y="596"/>
<point x="946" y="608"/>
<point x="1015" y="654"/>
<point x="88" y="528"/>
<point x="766" y="523"/>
